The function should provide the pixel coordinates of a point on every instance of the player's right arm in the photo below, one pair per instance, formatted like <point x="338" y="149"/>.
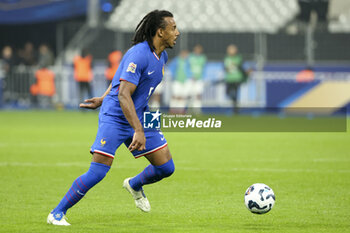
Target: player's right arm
<point x="95" y="102"/>
<point x="126" y="89"/>
<point x="135" y="64"/>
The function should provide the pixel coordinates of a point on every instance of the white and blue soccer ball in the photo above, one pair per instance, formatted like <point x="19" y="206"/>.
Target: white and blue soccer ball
<point x="259" y="198"/>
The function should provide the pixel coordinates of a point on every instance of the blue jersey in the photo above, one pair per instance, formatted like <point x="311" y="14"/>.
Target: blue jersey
<point x="142" y="67"/>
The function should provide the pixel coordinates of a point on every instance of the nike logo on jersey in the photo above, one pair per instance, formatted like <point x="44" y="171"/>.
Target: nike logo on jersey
<point x="162" y="138"/>
<point x="150" y="72"/>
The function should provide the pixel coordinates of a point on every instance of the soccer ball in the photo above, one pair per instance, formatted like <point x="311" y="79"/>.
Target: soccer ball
<point x="259" y="198"/>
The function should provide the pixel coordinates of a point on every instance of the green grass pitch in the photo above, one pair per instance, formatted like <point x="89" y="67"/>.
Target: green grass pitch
<point x="41" y="153"/>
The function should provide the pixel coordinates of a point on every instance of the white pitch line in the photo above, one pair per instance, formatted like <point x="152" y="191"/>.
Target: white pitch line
<point x="277" y="170"/>
<point x="232" y="169"/>
<point x="50" y="144"/>
<point x="30" y="164"/>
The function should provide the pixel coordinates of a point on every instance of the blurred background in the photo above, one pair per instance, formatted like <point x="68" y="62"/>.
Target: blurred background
<point x="231" y="53"/>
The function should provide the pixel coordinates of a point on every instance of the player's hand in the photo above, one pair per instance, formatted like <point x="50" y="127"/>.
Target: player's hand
<point x="92" y="103"/>
<point x="138" y="141"/>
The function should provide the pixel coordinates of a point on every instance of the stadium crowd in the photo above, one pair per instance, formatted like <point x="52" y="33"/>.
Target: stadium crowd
<point x="25" y="72"/>
<point x="27" y="76"/>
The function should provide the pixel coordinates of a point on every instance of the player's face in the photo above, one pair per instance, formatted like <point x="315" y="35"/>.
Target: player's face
<point x="170" y="33"/>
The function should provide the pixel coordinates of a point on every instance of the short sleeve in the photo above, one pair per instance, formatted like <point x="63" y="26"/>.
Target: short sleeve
<point x="134" y="65"/>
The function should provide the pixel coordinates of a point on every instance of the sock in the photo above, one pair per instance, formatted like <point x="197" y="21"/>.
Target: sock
<point x="81" y="185"/>
<point x="152" y="174"/>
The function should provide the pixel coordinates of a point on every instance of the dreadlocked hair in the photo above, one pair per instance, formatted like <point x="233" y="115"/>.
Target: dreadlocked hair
<point x="147" y="28"/>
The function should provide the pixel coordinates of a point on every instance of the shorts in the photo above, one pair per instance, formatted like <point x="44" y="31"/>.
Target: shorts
<point x="181" y="90"/>
<point x="111" y="135"/>
<point x="196" y="86"/>
<point x="187" y="89"/>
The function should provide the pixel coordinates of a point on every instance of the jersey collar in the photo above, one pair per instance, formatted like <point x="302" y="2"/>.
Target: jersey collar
<point x="155" y="55"/>
<point x="152" y="50"/>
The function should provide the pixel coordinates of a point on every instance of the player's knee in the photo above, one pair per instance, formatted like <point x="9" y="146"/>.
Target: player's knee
<point x="171" y="169"/>
<point x="99" y="170"/>
<point x="167" y="169"/>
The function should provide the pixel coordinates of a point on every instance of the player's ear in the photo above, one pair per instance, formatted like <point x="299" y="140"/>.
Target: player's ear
<point x="160" y="32"/>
